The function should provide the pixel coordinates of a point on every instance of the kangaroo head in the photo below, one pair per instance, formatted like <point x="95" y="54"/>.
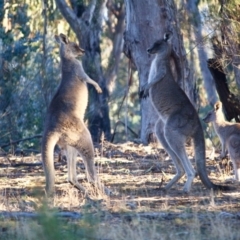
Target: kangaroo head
<point x="162" y="46"/>
<point x="68" y="48"/>
<point x="212" y="115"/>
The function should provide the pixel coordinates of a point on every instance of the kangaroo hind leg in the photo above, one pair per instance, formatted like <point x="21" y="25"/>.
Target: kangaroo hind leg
<point x="177" y="143"/>
<point x="85" y="148"/>
<point x="179" y="168"/>
<point x="72" y="167"/>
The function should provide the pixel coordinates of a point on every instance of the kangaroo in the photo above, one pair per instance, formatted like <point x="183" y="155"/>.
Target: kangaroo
<point x="229" y="134"/>
<point x="64" y="119"/>
<point x="178" y="119"/>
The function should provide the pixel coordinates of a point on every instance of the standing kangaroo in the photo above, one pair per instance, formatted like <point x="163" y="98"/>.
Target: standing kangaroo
<point x="64" y="120"/>
<point x="178" y="119"/>
<point x="229" y="134"/>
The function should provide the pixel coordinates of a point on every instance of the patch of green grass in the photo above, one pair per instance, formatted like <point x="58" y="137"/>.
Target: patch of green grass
<point x="47" y="226"/>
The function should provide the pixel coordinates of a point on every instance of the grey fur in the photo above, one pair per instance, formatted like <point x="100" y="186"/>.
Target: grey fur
<point x="178" y="119"/>
<point x="64" y="120"/>
<point x="229" y="134"/>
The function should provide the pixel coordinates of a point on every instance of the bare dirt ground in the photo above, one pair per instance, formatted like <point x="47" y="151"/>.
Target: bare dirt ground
<point x="135" y="174"/>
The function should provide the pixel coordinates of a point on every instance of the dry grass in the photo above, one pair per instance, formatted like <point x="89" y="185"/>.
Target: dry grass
<point x="136" y="210"/>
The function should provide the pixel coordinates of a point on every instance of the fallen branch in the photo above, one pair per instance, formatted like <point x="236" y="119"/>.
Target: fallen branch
<point x="123" y="216"/>
<point x="17" y="215"/>
<point x="29" y="164"/>
<point x="20" y="140"/>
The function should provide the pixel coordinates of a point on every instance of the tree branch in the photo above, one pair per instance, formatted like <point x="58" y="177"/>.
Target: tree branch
<point x="68" y="14"/>
<point x="88" y="13"/>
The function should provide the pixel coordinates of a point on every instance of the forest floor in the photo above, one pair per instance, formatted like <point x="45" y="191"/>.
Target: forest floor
<point x="137" y="208"/>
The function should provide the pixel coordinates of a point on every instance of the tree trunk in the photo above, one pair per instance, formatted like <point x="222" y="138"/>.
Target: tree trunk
<point x="146" y="22"/>
<point x="86" y="22"/>
<point x="118" y="11"/>
<point x="192" y="7"/>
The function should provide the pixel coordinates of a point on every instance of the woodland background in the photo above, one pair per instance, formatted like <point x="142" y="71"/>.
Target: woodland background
<point x="29" y="62"/>
<point x="115" y="35"/>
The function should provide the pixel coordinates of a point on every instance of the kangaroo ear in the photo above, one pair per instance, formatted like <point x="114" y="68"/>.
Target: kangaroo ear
<point x="64" y="38"/>
<point x="167" y="36"/>
<point x="217" y="105"/>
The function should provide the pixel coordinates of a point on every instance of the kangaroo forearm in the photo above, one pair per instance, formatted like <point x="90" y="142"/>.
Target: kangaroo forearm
<point x="90" y="81"/>
<point x="95" y="84"/>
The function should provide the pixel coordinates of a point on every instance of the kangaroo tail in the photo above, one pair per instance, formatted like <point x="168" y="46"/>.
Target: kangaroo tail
<point x="200" y="158"/>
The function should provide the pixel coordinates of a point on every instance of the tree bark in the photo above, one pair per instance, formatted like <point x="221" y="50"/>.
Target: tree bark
<point x="118" y="11"/>
<point x="192" y="7"/>
<point x="146" y="22"/>
<point x="86" y="22"/>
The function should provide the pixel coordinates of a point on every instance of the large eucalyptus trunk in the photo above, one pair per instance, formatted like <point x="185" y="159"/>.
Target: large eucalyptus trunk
<point x="146" y="22"/>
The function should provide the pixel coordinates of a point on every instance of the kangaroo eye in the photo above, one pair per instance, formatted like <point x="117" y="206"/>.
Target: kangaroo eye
<point x="76" y="47"/>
